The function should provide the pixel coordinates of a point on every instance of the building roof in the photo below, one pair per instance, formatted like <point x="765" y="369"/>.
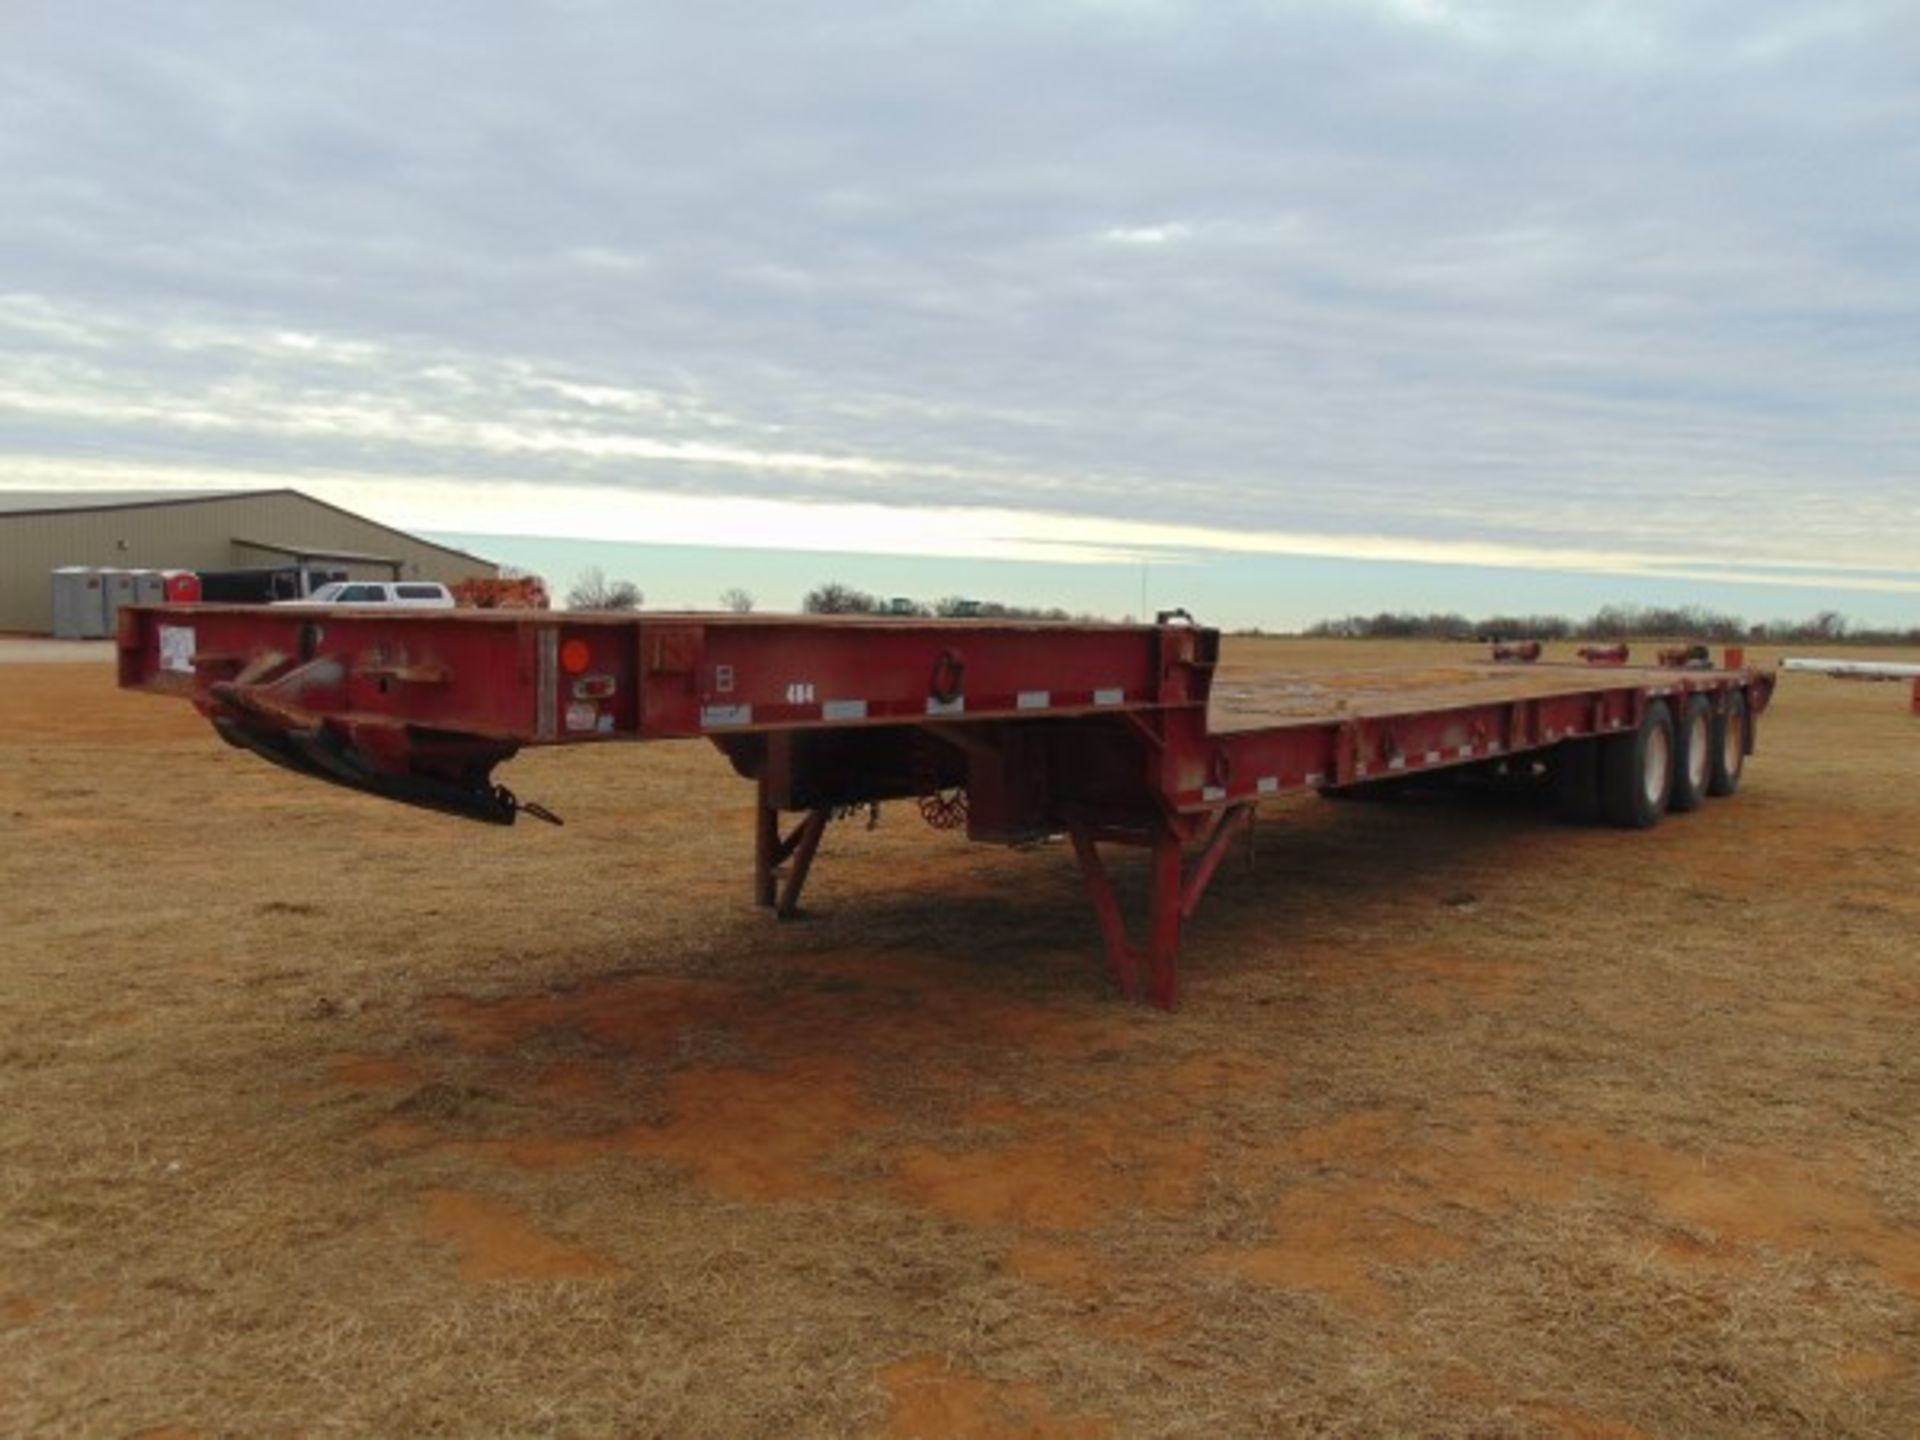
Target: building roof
<point x="309" y="552"/>
<point x="71" y="502"/>
<point x="15" y="502"/>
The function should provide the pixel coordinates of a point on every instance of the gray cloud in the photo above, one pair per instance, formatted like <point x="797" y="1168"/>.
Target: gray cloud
<point x="1634" y="274"/>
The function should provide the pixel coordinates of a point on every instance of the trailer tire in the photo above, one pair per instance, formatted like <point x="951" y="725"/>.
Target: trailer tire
<point x="1729" y="745"/>
<point x="1573" y="772"/>
<point x="1636" y="771"/>
<point x="1692" y="755"/>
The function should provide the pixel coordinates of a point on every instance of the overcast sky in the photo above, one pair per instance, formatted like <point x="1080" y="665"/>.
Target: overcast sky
<point x="1632" y="288"/>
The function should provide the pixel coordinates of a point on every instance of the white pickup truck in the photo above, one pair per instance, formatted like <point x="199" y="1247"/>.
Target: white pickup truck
<point x="407" y="594"/>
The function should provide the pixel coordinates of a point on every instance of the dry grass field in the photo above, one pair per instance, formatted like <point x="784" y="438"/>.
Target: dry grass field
<point x="318" y="1115"/>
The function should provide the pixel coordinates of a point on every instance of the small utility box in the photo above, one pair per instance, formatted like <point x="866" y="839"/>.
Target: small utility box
<point x="121" y="588"/>
<point x="79" y="603"/>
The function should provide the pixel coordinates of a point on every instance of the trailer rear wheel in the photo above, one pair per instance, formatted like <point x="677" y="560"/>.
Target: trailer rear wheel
<point x="1574" y="772"/>
<point x="1636" y="771"/>
<point x="1729" y="745"/>
<point x="1692" y="755"/>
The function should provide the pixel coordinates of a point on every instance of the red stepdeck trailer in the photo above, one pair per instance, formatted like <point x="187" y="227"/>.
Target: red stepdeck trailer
<point x="1109" y="734"/>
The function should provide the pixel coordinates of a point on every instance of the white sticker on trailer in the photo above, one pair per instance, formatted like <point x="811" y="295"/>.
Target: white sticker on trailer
<point x="843" y="709"/>
<point x="716" y="717"/>
<point x="176" y="648"/>
<point x="1110" y="697"/>
<point x="1034" y="699"/>
<point x="1267" y="784"/>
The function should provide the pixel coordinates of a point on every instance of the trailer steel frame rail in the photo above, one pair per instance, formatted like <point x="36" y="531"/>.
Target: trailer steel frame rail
<point x="1109" y="734"/>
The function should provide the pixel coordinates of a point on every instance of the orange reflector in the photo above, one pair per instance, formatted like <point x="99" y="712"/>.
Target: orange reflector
<point x="575" y="655"/>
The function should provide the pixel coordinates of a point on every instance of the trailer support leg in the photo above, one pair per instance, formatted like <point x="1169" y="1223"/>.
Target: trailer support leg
<point x="1229" y="825"/>
<point x="1122" y="962"/>
<point x="766" y="846"/>
<point x="1152" y="974"/>
<point x="804" y="844"/>
<point x="771" y="850"/>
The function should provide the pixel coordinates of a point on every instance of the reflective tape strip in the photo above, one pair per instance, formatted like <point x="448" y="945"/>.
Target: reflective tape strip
<point x="946" y="707"/>
<point x="1110" y="697"/>
<point x="843" y="710"/>
<point x="1212" y="792"/>
<point x="546" y="703"/>
<point x="1267" y="784"/>
<point x="717" y="717"/>
<point x="1034" y="699"/>
<point x="1433" y="757"/>
<point x="1316" y="778"/>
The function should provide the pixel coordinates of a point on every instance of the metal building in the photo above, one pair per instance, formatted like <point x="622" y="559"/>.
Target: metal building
<point x="211" y="530"/>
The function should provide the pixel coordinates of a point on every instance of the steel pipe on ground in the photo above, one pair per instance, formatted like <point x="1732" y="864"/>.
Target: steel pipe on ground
<point x="1860" y="669"/>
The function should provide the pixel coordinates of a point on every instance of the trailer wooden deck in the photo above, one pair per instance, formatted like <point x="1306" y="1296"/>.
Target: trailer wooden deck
<point x="1257" y="701"/>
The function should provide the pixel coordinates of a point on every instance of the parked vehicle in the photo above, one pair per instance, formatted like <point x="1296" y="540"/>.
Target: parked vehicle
<point x="407" y="594"/>
<point x="264" y="585"/>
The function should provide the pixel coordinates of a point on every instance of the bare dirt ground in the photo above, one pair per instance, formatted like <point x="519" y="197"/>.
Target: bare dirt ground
<point x="320" y="1115"/>
<point x="38" y="650"/>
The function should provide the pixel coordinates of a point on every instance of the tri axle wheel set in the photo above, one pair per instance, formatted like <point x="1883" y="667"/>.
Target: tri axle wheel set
<point x="1668" y="762"/>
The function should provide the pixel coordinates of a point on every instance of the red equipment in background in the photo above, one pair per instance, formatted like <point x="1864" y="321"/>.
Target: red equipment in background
<point x="501" y="592"/>
<point x="182" y="586"/>
<point x="1686" y="657"/>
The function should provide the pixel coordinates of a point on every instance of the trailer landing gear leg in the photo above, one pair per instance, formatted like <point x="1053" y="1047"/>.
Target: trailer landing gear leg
<point x="1122" y="962"/>
<point x="771" y="850"/>
<point x="766" y="847"/>
<point x="1173" y="895"/>
<point x="804" y="843"/>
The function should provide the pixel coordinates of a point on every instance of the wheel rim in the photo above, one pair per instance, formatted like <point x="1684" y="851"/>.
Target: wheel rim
<point x="1699" y="742"/>
<point x="1658" y="770"/>
<point x="1733" y="743"/>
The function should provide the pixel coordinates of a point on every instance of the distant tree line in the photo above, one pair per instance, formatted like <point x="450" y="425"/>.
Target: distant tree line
<point x="591" y="590"/>
<point x="1613" y="622"/>
<point x="833" y="598"/>
<point x="594" y="591"/>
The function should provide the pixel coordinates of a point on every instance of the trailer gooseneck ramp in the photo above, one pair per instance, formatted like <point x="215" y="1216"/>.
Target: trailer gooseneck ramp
<point x="1108" y="734"/>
